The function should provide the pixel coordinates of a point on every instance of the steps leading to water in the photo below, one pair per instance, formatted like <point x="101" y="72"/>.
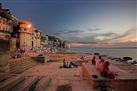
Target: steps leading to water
<point x="43" y="84"/>
<point x="18" y="66"/>
<point x="18" y="82"/>
<point x="9" y="81"/>
<point x="32" y="83"/>
<point x="25" y="84"/>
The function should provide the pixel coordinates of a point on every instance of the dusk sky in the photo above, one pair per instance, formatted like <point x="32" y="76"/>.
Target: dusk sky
<point x="89" y="22"/>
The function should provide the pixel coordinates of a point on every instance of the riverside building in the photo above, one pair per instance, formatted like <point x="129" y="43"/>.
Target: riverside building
<point x="25" y="34"/>
<point x="29" y="37"/>
<point x="7" y="22"/>
<point x="36" y="38"/>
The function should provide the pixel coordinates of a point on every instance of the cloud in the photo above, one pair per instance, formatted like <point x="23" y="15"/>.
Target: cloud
<point x="77" y="31"/>
<point x="84" y="36"/>
<point x="109" y="34"/>
<point x="93" y="29"/>
<point x="105" y="36"/>
<point x="125" y="44"/>
<point x="91" y="38"/>
<point x="65" y="31"/>
<point x="128" y="36"/>
<point x="78" y="35"/>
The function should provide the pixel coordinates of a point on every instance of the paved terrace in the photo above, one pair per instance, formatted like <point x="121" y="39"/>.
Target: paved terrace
<point x="60" y="76"/>
<point x="40" y="74"/>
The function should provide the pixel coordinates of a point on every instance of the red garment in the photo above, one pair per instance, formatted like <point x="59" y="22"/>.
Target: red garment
<point x="105" y="72"/>
<point x="94" y="61"/>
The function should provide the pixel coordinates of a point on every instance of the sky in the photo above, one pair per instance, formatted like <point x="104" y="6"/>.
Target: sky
<point x="89" y="23"/>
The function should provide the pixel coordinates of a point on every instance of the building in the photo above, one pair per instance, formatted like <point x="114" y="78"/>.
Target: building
<point x="53" y="43"/>
<point x="29" y="37"/>
<point x="44" y="41"/>
<point x="7" y="22"/>
<point x="25" y="34"/>
<point x="36" y="38"/>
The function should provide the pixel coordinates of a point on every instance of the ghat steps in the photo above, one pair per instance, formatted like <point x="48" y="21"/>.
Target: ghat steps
<point x="9" y="80"/>
<point x="19" y="65"/>
<point x="33" y="83"/>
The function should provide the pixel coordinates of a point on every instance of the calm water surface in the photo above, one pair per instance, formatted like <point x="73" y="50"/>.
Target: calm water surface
<point x="114" y="52"/>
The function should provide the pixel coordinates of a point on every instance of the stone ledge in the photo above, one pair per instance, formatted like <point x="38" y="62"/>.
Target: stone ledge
<point x="123" y="82"/>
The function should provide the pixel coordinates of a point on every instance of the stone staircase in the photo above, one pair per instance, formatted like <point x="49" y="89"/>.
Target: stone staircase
<point x="33" y="83"/>
<point x="25" y="84"/>
<point x="7" y="81"/>
<point x="43" y="84"/>
<point x="16" y="80"/>
<point x="19" y="65"/>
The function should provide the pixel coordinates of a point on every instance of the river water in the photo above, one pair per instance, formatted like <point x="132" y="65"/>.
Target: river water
<point x="114" y="52"/>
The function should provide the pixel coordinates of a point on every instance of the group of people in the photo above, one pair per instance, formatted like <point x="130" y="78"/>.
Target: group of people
<point x="69" y="64"/>
<point x="103" y="67"/>
<point x="19" y="53"/>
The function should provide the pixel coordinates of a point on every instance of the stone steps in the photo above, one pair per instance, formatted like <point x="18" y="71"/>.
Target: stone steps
<point x="10" y="82"/>
<point x="43" y="84"/>
<point x="18" y="66"/>
<point x="32" y="83"/>
<point x="4" y="76"/>
<point x="26" y="84"/>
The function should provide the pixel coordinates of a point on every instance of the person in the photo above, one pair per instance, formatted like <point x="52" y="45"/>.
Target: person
<point x="75" y="64"/>
<point x="101" y="59"/>
<point x="70" y="65"/>
<point x="67" y="64"/>
<point x="22" y="51"/>
<point x="104" y="69"/>
<point x="100" y="63"/>
<point x="94" y="60"/>
<point x="18" y="54"/>
<point x="105" y="72"/>
<point x="82" y="58"/>
<point x="64" y="63"/>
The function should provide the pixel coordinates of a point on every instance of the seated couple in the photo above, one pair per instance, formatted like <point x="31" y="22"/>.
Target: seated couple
<point x="103" y="68"/>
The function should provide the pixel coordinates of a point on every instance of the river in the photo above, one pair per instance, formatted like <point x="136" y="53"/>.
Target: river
<point x="114" y="52"/>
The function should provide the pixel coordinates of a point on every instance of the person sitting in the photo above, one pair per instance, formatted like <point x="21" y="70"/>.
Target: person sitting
<point x="70" y="65"/>
<point x="65" y="64"/>
<point x="105" y="72"/>
<point x="100" y="63"/>
<point x="75" y="64"/>
<point x="104" y="69"/>
<point x="93" y="61"/>
<point x="18" y="54"/>
<point x="82" y="58"/>
<point x="101" y="59"/>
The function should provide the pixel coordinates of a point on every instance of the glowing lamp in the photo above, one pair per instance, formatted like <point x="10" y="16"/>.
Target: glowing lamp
<point x="29" y="26"/>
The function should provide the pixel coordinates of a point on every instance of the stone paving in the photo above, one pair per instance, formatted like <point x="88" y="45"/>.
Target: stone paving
<point x="60" y="76"/>
<point x="132" y="69"/>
